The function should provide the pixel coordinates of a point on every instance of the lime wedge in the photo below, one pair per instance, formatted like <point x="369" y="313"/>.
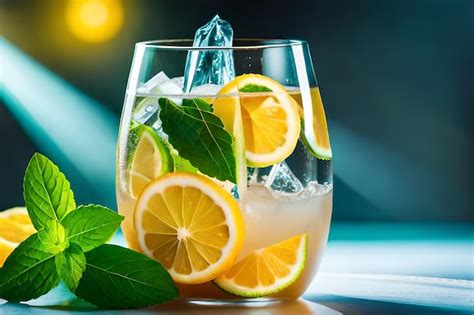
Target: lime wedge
<point x="150" y="159"/>
<point x="267" y="270"/>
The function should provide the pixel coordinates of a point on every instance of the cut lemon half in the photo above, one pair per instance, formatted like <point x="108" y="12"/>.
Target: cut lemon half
<point x="191" y="225"/>
<point x="15" y="227"/>
<point x="315" y="127"/>
<point x="150" y="159"/>
<point x="271" y="123"/>
<point x="268" y="270"/>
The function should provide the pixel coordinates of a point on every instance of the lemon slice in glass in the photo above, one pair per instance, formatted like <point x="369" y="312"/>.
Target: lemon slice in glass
<point x="270" y="118"/>
<point x="150" y="159"/>
<point x="268" y="270"/>
<point x="191" y="225"/>
<point x="315" y="129"/>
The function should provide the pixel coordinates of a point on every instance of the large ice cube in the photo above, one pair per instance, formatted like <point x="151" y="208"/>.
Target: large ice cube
<point x="210" y="66"/>
<point x="160" y="84"/>
<point x="153" y="83"/>
<point x="179" y="81"/>
<point x="282" y="181"/>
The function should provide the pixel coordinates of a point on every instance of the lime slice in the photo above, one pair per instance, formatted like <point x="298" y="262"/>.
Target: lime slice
<point x="150" y="159"/>
<point x="181" y="164"/>
<point x="268" y="270"/>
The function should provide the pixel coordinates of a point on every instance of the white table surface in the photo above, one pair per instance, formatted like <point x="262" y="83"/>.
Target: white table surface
<point x="428" y="275"/>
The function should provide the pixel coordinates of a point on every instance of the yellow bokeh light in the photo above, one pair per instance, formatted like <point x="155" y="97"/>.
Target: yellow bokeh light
<point x="94" y="21"/>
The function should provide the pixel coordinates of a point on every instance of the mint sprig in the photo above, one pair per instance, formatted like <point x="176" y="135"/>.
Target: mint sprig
<point x="53" y="237"/>
<point x="69" y="246"/>
<point x="91" y="226"/>
<point x="47" y="192"/>
<point x="28" y="272"/>
<point x="199" y="136"/>
<point x="70" y="265"/>
<point x="123" y="285"/>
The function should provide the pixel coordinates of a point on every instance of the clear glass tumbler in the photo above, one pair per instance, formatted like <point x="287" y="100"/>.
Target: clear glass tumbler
<point x="228" y="185"/>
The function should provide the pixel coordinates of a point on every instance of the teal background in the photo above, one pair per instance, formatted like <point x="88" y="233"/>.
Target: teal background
<point x="396" y="79"/>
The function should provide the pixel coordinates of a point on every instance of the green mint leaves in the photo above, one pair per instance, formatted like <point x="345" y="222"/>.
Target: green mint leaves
<point x="29" y="272"/>
<point x="199" y="136"/>
<point x="70" y="265"/>
<point x="123" y="285"/>
<point x="53" y="237"/>
<point x="91" y="226"/>
<point x="69" y="246"/>
<point x="47" y="192"/>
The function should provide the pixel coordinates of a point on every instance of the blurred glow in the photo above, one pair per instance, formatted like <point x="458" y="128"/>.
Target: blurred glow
<point x="95" y="21"/>
<point x="76" y="132"/>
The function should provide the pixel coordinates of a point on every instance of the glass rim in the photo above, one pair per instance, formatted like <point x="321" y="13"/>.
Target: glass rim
<point x="237" y="44"/>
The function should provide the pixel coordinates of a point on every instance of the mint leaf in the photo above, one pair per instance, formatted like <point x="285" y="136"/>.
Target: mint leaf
<point x="197" y="103"/>
<point x="70" y="265"/>
<point x="28" y="272"/>
<point x="118" y="277"/>
<point x="200" y="137"/>
<point x="47" y="192"/>
<point x="91" y="226"/>
<point x="53" y="237"/>
<point x="252" y="88"/>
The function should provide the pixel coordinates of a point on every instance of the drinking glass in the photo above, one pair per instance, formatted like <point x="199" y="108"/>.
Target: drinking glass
<point x="281" y="195"/>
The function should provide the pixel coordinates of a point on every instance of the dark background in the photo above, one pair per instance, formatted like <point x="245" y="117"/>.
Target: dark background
<point x="396" y="79"/>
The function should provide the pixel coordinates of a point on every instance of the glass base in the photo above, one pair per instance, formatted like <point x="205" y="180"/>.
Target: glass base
<point x="243" y="302"/>
<point x="263" y="306"/>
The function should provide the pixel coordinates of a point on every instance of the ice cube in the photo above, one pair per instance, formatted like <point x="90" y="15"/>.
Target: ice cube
<point x="282" y="181"/>
<point x="154" y="82"/>
<point x="210" y="66"/>
<point x="179" y="81"/>
<point x="161" y="84"/>
<point x="145" y="110"/>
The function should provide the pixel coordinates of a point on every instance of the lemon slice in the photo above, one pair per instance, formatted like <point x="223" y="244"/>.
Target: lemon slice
<point x="271" y="123"/>
<point x="268" y="270"/>
<point x="315" y="130"/>
<point x="191" y="225"/>
<point x="15" y="227"/>
<point x="151" y="159"/>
